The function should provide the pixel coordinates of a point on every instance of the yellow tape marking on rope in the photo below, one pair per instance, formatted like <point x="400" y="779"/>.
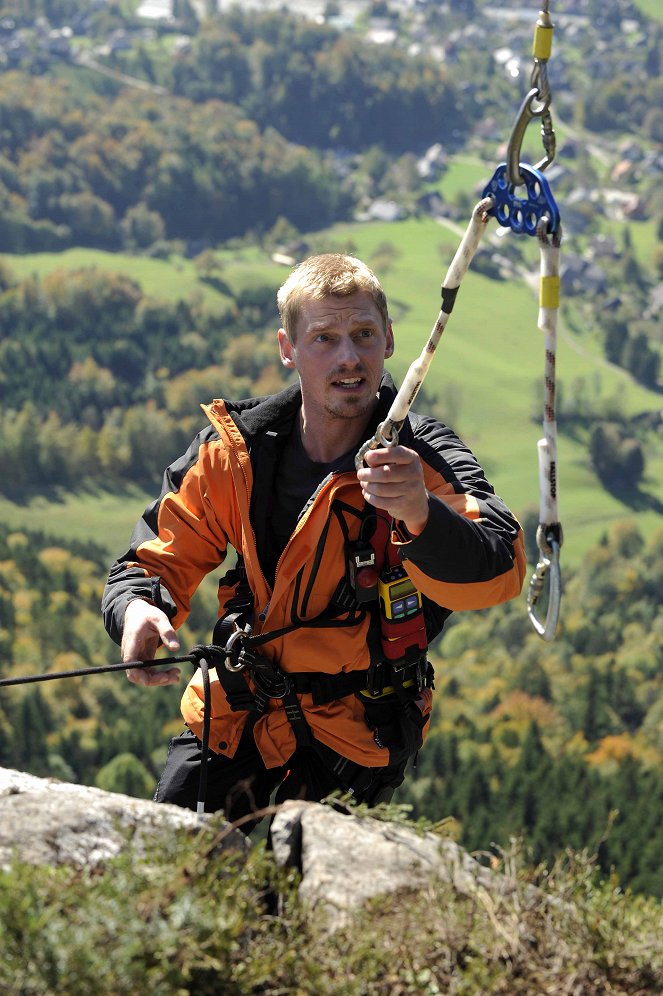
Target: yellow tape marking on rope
<point x="542" y="44"/>
<point x="549" y="292"/>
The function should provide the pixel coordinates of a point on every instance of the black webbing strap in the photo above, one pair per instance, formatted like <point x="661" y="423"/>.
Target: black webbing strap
<point x="328" y="687"/>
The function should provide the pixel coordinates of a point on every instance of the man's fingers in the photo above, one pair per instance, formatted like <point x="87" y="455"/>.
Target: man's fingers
<point x="167" y="633"/>
<point x="145" y="627"/>
<point x="389" y="455"/>
<point x="153" y="675"/>
<point x="393" y="479"/>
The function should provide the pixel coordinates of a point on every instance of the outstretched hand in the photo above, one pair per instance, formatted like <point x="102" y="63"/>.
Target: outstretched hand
<point x="145" y="628"/>
<point x="393" y="479"/>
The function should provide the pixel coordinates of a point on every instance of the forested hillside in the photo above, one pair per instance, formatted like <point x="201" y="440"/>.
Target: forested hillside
<point x="201" y="141"/>
<point x="122" y="369"/>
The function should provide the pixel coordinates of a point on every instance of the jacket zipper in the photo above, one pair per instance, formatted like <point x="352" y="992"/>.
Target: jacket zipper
<point x="302" y="515"/>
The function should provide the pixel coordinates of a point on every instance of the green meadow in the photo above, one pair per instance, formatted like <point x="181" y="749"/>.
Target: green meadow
<point x="652" y="8"/>
<point x="172" y="279"/>
<point x="490" y="361"/>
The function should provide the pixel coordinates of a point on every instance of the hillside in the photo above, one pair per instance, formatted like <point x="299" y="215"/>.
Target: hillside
<point x="90" y="166"/>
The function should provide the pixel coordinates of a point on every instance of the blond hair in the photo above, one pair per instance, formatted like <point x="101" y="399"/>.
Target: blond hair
<point x="327" y="275"/>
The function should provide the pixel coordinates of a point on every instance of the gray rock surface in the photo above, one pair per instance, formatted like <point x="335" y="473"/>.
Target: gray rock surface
<point x="346" y="859"/>
<point x="44" y="821"/>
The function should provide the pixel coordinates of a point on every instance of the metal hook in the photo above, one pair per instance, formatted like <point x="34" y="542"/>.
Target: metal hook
<point x="239" y="665"/>
<point x="548" y="565"/>
<point x="529" y="110"/>
<point x="386" y="434"/>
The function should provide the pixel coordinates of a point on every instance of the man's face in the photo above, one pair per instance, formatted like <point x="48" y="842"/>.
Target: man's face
<point x="339" y="353"/>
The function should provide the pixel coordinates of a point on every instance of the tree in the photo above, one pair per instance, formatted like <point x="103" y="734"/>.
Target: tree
<point x="641" y="359"/>
<point x="141" y="227"/>
<point x="90" y="219"/>
<point x="127" y="775"/>
<point x="618" y="459"/>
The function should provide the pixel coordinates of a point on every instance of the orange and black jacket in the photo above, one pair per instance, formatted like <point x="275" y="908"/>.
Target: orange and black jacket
<point x="469" y="556"/>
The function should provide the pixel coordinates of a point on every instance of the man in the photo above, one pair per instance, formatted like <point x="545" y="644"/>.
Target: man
<point x="328" y="686"/>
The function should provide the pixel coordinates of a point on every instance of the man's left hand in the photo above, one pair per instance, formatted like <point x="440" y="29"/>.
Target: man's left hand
<point x="393" y="479"/>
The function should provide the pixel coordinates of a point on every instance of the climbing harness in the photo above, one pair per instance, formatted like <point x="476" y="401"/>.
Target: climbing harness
<point x="399" y="666"/>
<point x="519" y="198"/>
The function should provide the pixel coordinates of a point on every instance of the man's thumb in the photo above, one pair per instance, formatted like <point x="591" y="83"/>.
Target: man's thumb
<point x="169" y="638"/>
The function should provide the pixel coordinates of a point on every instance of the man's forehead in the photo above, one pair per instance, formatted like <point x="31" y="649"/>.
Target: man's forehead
<point x="335" y="310"/>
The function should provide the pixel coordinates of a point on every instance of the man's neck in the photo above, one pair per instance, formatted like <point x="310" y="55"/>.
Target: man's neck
<point x="328" y="442"/>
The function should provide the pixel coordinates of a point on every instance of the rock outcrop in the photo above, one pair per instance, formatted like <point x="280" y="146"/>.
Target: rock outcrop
<point x="343" y="859"/>
<point x="44" y="821"/>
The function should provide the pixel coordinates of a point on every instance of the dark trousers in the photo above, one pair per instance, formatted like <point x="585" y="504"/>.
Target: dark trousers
<point x="242" y="785"/>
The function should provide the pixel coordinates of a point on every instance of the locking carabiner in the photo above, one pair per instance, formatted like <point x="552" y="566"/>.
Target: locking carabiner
<point x="531" y="107"/>
<point x="234" y="661"/>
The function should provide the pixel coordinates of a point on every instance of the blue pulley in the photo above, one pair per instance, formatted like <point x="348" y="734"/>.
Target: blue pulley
<point x="522" y="213"/>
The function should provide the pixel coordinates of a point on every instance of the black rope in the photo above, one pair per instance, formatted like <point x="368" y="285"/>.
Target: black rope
<point x="204" y="750"/>
<point x="80" y="672"/>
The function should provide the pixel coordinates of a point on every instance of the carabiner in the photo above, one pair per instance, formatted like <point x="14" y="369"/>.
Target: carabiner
<point x="533" y="106"/>
<point x="235" y="664"/>
<point x="386" y="434"/>
<point x="548" y="565"/>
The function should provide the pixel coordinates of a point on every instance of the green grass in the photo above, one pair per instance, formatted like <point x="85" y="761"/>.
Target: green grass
<point x="464" y="173"/>
<point x="173" y="280"/>
<point x="102" y="517"/>
<point x="652" y="8"/>
<point x="643" y="237"/>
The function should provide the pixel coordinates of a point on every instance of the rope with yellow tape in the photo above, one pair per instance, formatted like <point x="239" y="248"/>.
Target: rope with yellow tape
<point x="518" y="196"/>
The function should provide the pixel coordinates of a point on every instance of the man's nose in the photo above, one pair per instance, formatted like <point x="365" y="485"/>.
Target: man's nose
<point x="348" y="353"/>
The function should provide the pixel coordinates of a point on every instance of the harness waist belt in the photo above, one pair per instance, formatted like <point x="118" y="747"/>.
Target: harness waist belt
<point x="328" y="687"/>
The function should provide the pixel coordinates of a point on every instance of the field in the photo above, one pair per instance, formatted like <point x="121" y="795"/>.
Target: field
<point x="652" y="8"/>
<point x="488" y="372"/>
<point x="171" y="279"/>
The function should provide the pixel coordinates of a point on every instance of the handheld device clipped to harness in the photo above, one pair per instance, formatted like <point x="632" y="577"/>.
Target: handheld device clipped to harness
<point x="377" y="576"/>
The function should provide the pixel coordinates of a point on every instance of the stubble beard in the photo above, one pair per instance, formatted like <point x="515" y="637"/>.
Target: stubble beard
<point x="353" y="409"/>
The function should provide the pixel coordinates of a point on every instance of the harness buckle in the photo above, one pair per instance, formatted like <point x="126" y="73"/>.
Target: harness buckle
<point x="376" y="678"/>
<point x="363" y="572"/>
<point x="272" y="681"/>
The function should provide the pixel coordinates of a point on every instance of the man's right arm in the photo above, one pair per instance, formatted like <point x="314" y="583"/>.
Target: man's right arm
<point x="175" y="543"/>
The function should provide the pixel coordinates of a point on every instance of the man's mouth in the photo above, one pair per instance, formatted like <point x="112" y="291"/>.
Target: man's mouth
<point x="348" y="383"/>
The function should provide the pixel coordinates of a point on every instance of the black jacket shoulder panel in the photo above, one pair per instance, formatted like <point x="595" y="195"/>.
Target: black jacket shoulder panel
<point x="446" y="453"/>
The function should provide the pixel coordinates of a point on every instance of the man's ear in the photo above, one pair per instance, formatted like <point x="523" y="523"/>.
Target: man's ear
<point x="389" y="347"/>
<point x="286" y="350"/>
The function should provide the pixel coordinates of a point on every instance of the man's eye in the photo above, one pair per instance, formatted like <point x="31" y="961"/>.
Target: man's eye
<point x="366" y="333"/>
